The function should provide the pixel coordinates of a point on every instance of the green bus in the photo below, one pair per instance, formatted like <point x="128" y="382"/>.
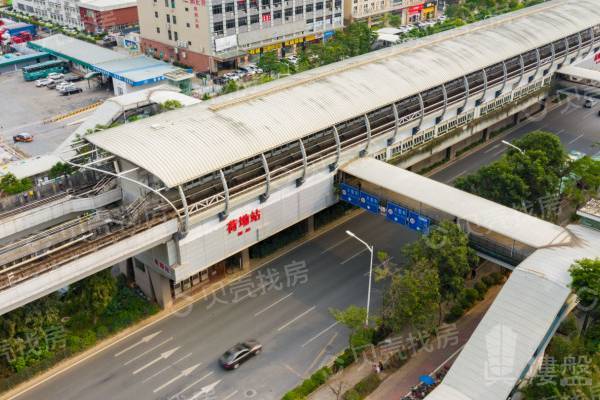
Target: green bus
<point x="41" y="70"/>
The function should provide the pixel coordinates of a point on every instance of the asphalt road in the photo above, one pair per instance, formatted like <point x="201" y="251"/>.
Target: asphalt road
<point x="284" y="305"/>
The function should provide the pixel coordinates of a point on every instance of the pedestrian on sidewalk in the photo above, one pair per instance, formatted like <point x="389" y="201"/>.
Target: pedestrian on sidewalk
<point x="380" y="366"/>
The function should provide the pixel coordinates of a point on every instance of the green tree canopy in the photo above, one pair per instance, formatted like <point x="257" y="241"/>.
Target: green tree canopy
<point x="60" y="169"/>
<point x="9" y="184"/>
<point x="269" y="62"/>
<point x="412" y="298"/>
<point x="445" y="248"/>
<point x="585" y="275"/>
<point x="93" y="294"/>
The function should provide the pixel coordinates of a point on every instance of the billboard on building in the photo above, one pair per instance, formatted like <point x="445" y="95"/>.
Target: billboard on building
<point x="225" y="43"/>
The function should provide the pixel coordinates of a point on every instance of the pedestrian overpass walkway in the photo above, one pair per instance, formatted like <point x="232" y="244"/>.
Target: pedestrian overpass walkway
<point x="510" y="340"/>
<point x="496" y="232"/>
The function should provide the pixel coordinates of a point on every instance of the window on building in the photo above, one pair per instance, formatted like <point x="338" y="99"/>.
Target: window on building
<point x="168" y="19"/>
<point x="189" y="43"/>
<point x="276" y="3"/>
<point x="266" y="3"/>
<point x="328" y="4"/>
<point x="338" y="3"/>
<point x="299" y="10"/>
<point x="277" y="14"/>
<point x="166" y="3"/>
<point x="186" y="9"/>
<point x="176" y="36"/>
<point x="254" y="19"/>
<point x="187" y="24"/>
<point x="254" y="4"/>
<point x="172" y="3"/>
<point x="174" y="20"/>
<point x="319" y="6"/>
<point x="309" y="21"/>
<point x="155" y="14"/>
<point x="157" y="29"/>
<point x="242" y="6"/>
<point x="309" y="8"/>
<point x="289" y="12"/>
<point x="169" y="35"/>
<point x="243" y="21"/>
<point x="217" y="9"/>
<point x="229" y="7"/>
<point x="218" y="27"/>
<point x="230" y="23"/>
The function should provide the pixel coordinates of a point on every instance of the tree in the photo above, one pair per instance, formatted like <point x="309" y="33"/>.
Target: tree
<point x="585" y="275"/>
<point x="354" y="318"/>
<point x="445" y="248"/>
<point x="170" y="105"/>
<point x="545" y="146"/>
<point x="93" y="294"/>
<point x="412" y="298"/>
<point x="583" y="179"/>
<point x="9" y="184"/>
<point x="60" y="169"/>
<point x="269" y="62"/>
<point x="394" y="20"/>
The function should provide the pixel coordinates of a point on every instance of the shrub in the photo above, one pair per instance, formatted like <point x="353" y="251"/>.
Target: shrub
<point x="455" y="313"/>
<point x="481" y="289"/>
<point x="488" y="281"/>
<point x="569" y="326"/>
<point x="471" y="296"/>
<point x="363" y="388"/>
<point x="352" y="394"/>
<point x="497" y="278"/>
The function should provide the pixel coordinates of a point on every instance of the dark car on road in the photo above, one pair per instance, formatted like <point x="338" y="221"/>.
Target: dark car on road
<point x="70" y="90"/>
<point x="240" y="353"/>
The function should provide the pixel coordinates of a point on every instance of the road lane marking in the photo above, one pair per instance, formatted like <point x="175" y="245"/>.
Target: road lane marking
<point x="321" y="333"/>
<point x="249" y="294"/>
<point x="352" y="257"/>
<point x="163" y="356"/>
<point x="148" y="351"/>
<point x="185" y="372"/>
<point x="272" y="305"/>
<point x="458" y="175"/>
<point x="182" y="358"/>
<point x="496" y="154"/>
<point x="321" y="353"/>
<point x="335" y="245"/>
<point x="206" y="390"/>
<point x="230" y="395"/>
<point x="576" y="139"/>
<point x="176" y="395"/>
<point x="491" y="148"/>
<point x="157" y="373"/>
<point x="145" y="339"/>
<point x="295" y="319"/>
<point x="292" y="370"/>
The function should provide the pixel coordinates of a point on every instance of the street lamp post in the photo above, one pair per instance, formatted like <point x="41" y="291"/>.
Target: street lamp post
<point x="509" y="144"/>
<point x="370" y="248"/>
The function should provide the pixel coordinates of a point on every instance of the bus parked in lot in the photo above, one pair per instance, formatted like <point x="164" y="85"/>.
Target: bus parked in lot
<point x="41" y="70"/>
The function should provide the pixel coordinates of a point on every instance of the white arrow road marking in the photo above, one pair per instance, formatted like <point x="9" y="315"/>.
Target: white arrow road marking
<point x="145" y="339"/>
<point x="205" y="390"/>
<point x="148" y="351"/>
<point x="176" y="396"/>
<point x="163" y="356"/>
<point x="185" y="372"/>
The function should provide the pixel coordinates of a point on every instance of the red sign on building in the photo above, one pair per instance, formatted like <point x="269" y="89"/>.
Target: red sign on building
<point x="266" y="17"/>
<point x="242" y="224"/>
<point x="415" y="9"/>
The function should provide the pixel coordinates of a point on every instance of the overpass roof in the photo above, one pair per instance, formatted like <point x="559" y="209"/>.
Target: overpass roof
<point x="182" y="145"/>
<point x="521" y="319"/>
<point x="494" y="217"/>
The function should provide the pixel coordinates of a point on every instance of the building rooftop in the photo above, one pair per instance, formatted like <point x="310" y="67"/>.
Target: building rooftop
<point x="136" y="71"/>
<point x="182" y="145"/>
<point x="107" y="5"/>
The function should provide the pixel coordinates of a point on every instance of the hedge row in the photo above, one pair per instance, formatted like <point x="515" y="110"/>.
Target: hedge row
<point x="471" y="296"/>
<point x="363" y="388"/>
<point x="309" y="385"/>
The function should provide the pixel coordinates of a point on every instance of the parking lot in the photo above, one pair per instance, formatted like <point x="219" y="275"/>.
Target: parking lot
<point x="25" y="107"/>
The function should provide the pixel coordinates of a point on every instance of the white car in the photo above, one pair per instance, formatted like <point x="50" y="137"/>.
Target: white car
<point x="231" y="76"/>
<point x="292" y="59"/>
<point x="64" y="85"/>
<point x="55" y="76"/>
<point x="42" y="82"/>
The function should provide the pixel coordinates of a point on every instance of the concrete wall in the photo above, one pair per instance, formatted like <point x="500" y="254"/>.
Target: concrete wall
<point x="46" y="213"/>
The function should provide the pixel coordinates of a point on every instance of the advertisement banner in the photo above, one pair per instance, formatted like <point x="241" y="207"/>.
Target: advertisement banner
<point x="225" y="43"/>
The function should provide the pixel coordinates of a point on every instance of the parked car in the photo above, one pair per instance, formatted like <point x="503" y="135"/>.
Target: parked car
<point x="240" y="353"/>
<point x="589" y="103"/>
<point x="70" y="90"/>
<point x="70" y="77"/>
<point x="292" y="59"/>
<point x="23" y="137"/>
<point x="55" y="76"/>
<point x="53" y="84"/>
<point x="42" y="82"/>
<point x="64" y="85"/>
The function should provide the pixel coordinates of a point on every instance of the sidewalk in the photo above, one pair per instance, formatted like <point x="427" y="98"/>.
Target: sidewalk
<point x="342" y="381"/>
<point x="425" y="362"/>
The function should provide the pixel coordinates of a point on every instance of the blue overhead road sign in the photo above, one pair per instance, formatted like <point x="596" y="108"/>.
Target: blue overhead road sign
<point x="350" y="194"/>
<point x="369" y="202"/>
<point x="396" y="214"/>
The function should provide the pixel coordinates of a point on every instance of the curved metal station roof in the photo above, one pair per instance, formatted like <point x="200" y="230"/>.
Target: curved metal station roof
<point x="182" y="145"/>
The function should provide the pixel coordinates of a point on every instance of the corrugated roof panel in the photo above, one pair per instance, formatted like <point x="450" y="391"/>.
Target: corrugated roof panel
<point x="260" y="118"/>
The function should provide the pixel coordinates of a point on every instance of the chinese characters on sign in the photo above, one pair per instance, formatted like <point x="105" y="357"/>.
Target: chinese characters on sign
<point x="243" y="223"/>
<point x="163" y="266"/>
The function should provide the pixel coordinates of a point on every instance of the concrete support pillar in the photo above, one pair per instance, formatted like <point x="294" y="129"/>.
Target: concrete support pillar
<point x="451" y="152"/>
<point x="310" y="223"/>
<point x="161" y="287"/>
<point x="245" y="258"/>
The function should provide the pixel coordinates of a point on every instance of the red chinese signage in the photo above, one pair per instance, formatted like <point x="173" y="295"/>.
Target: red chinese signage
<point x="163" y="266"/>
<point x="266" y="17"/>
<point x="415" y="9"/>
<point x="242" y="224"/>
<point x="597" y="58"/>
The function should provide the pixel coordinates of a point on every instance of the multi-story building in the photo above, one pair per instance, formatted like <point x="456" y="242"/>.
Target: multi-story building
<point x="62" y="12"/>
<point x="373" y="11"/>
<point x="211" y="34"/>
<point x="108" y="15"/>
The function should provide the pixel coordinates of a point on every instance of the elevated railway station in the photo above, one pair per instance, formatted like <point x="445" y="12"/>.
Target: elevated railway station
<point x="198" y="186"/>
